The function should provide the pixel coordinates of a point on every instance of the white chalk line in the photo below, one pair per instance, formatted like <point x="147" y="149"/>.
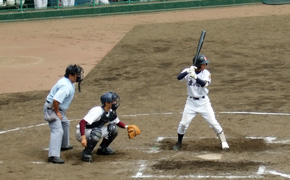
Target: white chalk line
<point x="259" y="174"/>
<point x="257" y="113"/>
<point x="156" y="149"/>
<point x="148" y="114"/>
<point x="269" y="140"/>
<point x="143" y="165"/>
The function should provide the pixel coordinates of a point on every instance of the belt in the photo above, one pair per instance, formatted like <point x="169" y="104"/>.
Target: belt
<point x="51" y="108"/>
<point x="196" y="98"/>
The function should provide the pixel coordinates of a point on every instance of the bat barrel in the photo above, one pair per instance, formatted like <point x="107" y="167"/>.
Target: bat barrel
<point x="199" y="46"/>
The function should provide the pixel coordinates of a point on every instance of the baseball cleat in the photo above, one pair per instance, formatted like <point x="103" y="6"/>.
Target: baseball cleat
<point x="67" y="148"/>
<point x="87" y="158"/>
<point x="225" y="146"/>
<point x="105" y="151"/>
<point x="177" y="146"/>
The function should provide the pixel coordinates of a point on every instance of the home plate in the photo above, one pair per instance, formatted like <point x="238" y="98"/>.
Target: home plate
<point x="210" y="156"/>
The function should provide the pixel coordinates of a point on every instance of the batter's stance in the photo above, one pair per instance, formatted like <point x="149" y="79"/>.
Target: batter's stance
<point x="197" y="79"/>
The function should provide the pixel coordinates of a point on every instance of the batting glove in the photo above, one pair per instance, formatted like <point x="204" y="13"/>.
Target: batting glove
<point x="193" y="75"/>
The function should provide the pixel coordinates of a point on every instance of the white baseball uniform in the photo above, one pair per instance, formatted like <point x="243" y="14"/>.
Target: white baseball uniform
<point x="96" y="118"/>
<point x="40" y="4"/>
<point x="198" y="102"/>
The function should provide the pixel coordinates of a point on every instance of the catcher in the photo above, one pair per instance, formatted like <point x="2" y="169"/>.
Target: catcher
<point x="94" y="126"/>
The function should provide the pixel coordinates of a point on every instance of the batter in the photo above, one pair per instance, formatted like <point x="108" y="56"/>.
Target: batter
<point x="197" y="79"/>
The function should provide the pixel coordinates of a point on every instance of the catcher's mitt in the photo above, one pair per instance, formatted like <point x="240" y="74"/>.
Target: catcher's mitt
<point x="133" y="131"/>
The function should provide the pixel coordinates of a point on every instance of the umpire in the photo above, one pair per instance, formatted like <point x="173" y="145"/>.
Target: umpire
<point x="54" y="109"/>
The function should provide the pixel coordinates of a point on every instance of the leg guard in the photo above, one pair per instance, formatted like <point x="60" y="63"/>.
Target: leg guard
<point x="113" y="132"/>
<point x="92" y="141"/>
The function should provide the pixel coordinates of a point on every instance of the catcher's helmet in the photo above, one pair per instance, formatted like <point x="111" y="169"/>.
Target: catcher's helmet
<point x="201" y="59"/>
<point x="111" y="97"/>
<point x="75" y="69"/>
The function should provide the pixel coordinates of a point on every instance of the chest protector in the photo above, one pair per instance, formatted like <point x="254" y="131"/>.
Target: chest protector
<point x="104" y="119"/>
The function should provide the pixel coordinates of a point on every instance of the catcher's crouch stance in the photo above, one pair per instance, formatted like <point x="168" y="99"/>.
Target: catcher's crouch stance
<point x="93" y="127"/>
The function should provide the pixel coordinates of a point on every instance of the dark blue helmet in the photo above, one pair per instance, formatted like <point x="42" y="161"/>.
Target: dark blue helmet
<point x="110" y="97"/>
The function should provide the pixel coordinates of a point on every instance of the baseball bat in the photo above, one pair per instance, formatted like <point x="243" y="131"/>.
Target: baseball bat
<point x="199" y="46"/>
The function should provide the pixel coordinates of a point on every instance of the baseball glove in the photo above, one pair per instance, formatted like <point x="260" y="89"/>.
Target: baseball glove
<point x="133" y="131"/>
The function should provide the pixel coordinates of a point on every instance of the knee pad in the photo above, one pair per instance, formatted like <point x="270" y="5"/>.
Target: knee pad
<point x="96" y="134"/>
<point x="112" y="131"/>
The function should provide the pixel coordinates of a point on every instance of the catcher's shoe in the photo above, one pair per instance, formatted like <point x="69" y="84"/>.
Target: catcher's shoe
<point x="177" y="146"/>
<point x="87" y="158"/>
<point x="105" y="151"/>
<point x="225" y="146"/>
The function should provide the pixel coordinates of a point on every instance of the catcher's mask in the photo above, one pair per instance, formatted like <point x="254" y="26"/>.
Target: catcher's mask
<point x="201" y="59"/>
<point x="75" y="70"/>
<point x="111" y="97"/>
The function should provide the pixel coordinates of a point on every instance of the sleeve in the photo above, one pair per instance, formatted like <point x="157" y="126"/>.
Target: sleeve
<point x="182" y="74"/>
<point x="208" y="78"/>
<point x="61" y="94"/>
<point x="83" y="126"/>
<point x="115" y="121"/>
<point x="121" y="125"/>
<point x="93" y="115"/>
<point x="201" y="82"/>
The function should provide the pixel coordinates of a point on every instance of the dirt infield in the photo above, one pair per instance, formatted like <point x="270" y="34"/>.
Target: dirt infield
<point x="249" y="51"/>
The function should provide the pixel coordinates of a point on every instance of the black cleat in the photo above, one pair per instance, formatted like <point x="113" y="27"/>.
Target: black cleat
<point x="68" y="148"/>
<point x="177" y="146"/>
<point x="105" y="151"/>
<point x="55" y="160"/>
<point x="87" y="158"/>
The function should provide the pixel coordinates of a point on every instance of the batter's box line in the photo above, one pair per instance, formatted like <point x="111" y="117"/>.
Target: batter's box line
<point x="268" y="140"/>
<point x="261" y="172"/>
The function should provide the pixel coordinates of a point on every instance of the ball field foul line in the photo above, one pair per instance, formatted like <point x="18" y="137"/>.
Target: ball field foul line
<point x="148" y="114"/>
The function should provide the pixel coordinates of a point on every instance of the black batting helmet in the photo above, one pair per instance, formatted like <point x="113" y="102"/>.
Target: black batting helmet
<point x="201" y="59"/>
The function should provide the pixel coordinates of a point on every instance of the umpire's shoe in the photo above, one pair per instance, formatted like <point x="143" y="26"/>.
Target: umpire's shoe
<point x="177" y="146"/>
<point x="105" y="151"/>
<point x="55" y="160"/>
<point x="87" y="158"/>
<point x="67" y="148"/>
